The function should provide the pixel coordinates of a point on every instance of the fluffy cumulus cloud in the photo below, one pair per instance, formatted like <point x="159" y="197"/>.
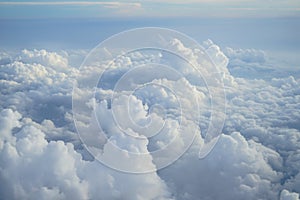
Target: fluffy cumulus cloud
<point x="285" y="194"/>
<point x="42" y="157"/>
<point x="33" y="168"/>
<point x="259" y="64"/>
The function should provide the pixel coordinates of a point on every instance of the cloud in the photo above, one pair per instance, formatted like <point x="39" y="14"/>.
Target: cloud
<point x="286" y="195"/>
<point x="41" y="156"/>
<point x="108" y="4"/>
<point x="235" y="169"/>
<point x="256" y="64"/>
<point x="219" y="8"/>
<point x="36" y="81"/>
<point x="206" y="1"/>
<point x="32" y="167"/>
<point x="45" y="58"/>
<point x="246" y="55"/>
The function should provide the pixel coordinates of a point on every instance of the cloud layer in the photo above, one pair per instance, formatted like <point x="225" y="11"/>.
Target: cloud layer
<point x="41" y="156"/>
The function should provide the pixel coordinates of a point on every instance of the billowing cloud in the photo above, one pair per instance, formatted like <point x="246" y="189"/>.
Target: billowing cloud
<point x="286" y="195"/>
<point x="41" y="156"/>
<point x="235" y="169"/>
<point x="33" y="168"/>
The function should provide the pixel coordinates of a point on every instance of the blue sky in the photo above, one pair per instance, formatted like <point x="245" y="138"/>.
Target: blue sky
<point x="268" y="25"/>
<point x="147" y="8"/>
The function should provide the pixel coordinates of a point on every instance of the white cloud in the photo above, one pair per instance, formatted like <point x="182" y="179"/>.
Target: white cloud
<point x="246" y="55"/>
<point x="45" y="58"/>
<point x="108" y="4"/>
<point x="286" y="195"/>
<point x="32" y="167"/>
<point x="235" y="169"/>
<point x="41" y="156"/>
<point x="258" y="64"/>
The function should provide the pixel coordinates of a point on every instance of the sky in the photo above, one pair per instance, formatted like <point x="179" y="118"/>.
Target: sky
<point x="139" y="100"/>
<point x="268" y="25"/>
<point x="146" y="8"/>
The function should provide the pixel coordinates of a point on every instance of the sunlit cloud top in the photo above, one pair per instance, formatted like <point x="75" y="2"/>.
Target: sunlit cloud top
<point x="147" y="8"/>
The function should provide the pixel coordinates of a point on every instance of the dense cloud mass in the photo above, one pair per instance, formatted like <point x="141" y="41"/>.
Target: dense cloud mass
<point x="42" y="157"/>
<point x="257" y="64"/>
